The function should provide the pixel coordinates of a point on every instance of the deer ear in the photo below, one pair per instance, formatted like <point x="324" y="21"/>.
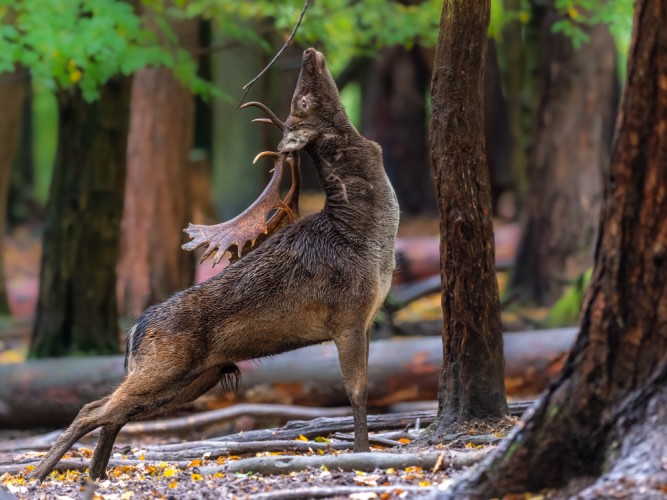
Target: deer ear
<point x="297" y="139"/>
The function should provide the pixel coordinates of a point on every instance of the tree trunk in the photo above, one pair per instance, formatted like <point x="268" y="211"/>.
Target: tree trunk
<point x="570" y="152"/>
<point x="12" y="94"/>
<point x="152" y="264"/>
<point x="607" y="414"/>
<point x="471" y="378"/>
<point x="398" y="124"/>
<point x="76" y="309"/>
<point x="518" y="53"/>
<point x="496" y="128"/>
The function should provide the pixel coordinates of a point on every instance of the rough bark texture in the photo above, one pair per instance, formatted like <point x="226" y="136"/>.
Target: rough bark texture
<point x="12" y="94"/>
<point x="570" y="151"/>
<point x="152" y="264"/>
<point x="76" y="310"/>
<point x="471" y="379"/>
<point x="607" y="414"/>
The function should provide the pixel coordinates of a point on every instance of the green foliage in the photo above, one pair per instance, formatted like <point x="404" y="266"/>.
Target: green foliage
<point x="565" y="311"/>
<point x="617" y="14"/>
<point x="86" y="42"/>
<point x="343" y="28"/>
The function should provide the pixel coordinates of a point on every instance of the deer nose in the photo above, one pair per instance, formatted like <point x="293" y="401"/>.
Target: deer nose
<point x="308" y="53"/>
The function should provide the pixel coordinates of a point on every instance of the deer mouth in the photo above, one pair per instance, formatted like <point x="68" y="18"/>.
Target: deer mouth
<point x="313" y="60"/>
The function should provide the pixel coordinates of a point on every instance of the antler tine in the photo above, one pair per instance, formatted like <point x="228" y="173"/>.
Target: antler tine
<point x="274" y="119"/>
<point x="250" y="227"/>
<point x="264" y="120"/>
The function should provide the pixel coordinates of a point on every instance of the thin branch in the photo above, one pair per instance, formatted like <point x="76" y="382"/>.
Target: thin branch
<point x="247" y="86"/>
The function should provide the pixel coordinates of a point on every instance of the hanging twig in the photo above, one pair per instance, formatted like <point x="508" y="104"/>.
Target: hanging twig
<point x="247" y="86"/>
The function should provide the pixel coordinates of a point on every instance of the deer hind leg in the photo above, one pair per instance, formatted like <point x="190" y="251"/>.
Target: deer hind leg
<point x="170" y="398"/>
<point x="85" y="421"/>
<point x="352" y="348"/>
<point x="98" y="468"/>
<point x="129" y="401"/>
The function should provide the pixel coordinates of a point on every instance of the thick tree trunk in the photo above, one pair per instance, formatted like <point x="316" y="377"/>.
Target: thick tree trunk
<point x="12" y="94"/>
<point x="76" y="309"/>
<point x="471" y="379"/>
<point x="398" y="124"/>
<point x="607" y="413"/>
<point x="570" y="152"/>
<point x="157" y="193"/>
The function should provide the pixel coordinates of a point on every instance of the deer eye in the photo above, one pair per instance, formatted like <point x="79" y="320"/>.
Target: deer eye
<point x="304" y="103"/>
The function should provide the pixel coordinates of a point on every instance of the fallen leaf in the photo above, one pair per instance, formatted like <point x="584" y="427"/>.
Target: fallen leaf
<point x="169" y="472"/>
<point x="301" y="438"/>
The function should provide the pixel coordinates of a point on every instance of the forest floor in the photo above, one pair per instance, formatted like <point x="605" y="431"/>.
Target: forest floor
<point x="205" y="477"/>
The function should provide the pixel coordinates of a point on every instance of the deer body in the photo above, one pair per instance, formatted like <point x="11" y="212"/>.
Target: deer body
<point x="321" y="278"/>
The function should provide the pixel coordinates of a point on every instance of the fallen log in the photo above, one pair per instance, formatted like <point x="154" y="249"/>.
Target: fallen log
<point x="365" y="462"/>
<point x="51" y="391"/>
<point x="343" y="491"/>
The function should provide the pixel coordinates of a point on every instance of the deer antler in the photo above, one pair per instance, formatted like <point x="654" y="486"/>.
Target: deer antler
<point x="248" y="229"/>
<point x="272" y="118"/>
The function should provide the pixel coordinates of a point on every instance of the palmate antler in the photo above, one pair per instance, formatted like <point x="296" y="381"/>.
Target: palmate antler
<point x="248" y="229"/>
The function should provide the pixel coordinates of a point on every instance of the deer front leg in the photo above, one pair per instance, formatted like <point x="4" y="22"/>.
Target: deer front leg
<point x="353" y="358"/>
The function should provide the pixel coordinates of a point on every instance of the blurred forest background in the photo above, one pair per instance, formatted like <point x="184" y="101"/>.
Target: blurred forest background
<point x="118" y="126"/>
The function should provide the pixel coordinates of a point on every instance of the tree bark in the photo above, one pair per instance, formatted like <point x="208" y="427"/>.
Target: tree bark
<point x="76" y="309"/>
<point x="570" y="151"/>
<point x="12" y="94"/>
<point x="471" y="377"/>
<point x="157" y="207"/>
<point x="607" y="413"/>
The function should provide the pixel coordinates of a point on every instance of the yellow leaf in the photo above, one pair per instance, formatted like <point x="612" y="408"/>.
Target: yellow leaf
<point x="194" y="463"/>
<point x="572" y="11"/>
<point x="524" y="17"/>
<point x="301" y="438"/>
<point x="220" y="460"/>
<point x="404" y="440"/>
<point x="390" y="470"/>
<point x="127" y="495"/>
<point x="11" y="356"/>
<point x="413" y="469"/>
<point x="163" y="465"/>
<point x="141" y="457"/>
<point x="75" y="76"/>
<point x="173" y="485"/>
<point x="169" y="472"/>
<point x="321" y="452"/>
<point x="424" y="483"/>
<point x="197" y="477"/>
<point x="29" y="467"/>
<point x="218" y="475"/>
